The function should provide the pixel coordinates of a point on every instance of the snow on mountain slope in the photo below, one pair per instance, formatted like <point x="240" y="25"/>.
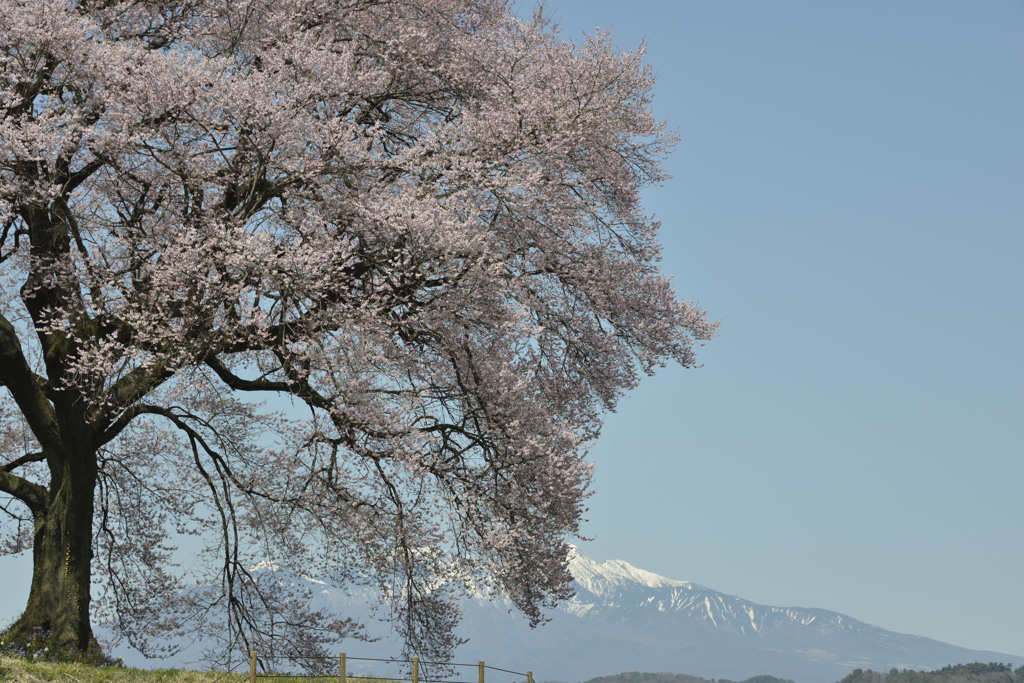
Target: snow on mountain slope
<point x="598" y="578"/>
<point x="618" y="584"/>
<point x="627" y="619"/>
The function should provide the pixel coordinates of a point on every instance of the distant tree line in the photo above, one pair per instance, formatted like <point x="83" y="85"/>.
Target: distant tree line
<point x="976" y="672"/>
<point x="763" y="678"/>
<point x="638" y="677"/>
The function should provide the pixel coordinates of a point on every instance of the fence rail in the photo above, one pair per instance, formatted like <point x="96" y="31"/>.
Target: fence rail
<point x="343" y="675"/>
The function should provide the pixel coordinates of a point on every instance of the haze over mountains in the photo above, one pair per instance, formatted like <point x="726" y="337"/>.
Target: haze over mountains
<point x="627" y="619"/>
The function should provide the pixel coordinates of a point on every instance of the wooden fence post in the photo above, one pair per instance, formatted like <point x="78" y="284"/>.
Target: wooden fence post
<point x="341" y="668"/>
<point x="252" y="666"/>
<point x="480" y="668"/>
<point x="415" y="670"/>
<point x="529" y="677"/>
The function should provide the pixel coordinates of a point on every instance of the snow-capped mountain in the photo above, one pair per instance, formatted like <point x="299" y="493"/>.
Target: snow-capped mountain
<point x="627" y="619"/>
<point x="619" y="585"/>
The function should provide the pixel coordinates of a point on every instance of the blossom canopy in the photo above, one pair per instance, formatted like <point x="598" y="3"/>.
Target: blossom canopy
<point x="343" y="285"/>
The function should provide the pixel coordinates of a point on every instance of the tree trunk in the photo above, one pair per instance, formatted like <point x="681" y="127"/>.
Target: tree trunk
<point x="61" y="554"/>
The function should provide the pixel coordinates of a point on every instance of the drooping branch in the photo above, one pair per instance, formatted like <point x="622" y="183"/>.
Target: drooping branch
<point x="247" y="598"/>
<point x="111" y="432"/>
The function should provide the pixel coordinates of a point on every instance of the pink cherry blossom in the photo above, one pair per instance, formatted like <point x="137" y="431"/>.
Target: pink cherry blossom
<point x="340" y="285"/>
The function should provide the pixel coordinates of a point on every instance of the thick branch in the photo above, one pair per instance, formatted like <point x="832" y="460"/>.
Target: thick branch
<point x="297" y="386"/>
<point x="239" y="384"/>
<point x="80" y="176"/>
<point x="27" y="388"/>
<point x="32" y="495"/>
<point x="141" y="381"/>
<point x="138" y="383"/>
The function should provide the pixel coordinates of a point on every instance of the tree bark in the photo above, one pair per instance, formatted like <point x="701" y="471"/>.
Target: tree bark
<point x="58" y="601"/>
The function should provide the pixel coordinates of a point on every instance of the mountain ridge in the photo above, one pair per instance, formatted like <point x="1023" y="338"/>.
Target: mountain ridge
<point x="623" y="618"/>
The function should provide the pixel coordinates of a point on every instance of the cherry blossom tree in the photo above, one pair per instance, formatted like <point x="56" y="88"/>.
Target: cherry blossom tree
<point x="340" y="286"/>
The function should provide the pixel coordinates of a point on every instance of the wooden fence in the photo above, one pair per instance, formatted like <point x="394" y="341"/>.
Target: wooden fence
<point x="415" y="661"/>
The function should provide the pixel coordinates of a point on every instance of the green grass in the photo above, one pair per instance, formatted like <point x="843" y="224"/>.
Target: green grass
<point x="19" y="670"/>
<point x="39" y="658"/>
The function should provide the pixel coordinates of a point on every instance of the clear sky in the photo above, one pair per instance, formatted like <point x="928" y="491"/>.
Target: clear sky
<point x="848" y="198"/>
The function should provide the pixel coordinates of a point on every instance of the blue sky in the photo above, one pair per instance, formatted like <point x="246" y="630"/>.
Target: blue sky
<point x="848" y="198"/>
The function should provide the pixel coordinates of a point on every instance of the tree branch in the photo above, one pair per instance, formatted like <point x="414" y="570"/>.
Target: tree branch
<point x="27" y="388"/>
<point x="297" y="385"/>
<point x="32" y="495"/>
<point x="80" y="176"/>
<point x="24" y="460"/>
<point x="135" y="385"/>
<point x="235" y="382"/>
<point x="116" y="427"/>
<point x="140" y="382"/>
